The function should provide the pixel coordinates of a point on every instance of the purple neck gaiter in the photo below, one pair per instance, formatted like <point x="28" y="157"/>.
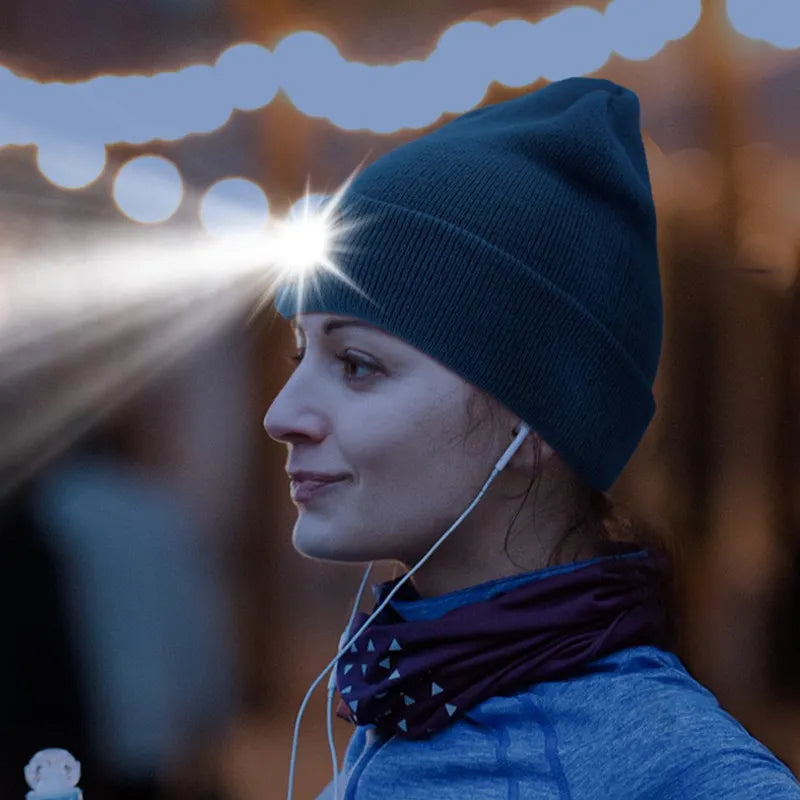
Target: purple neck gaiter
<point x="413" y="678"/>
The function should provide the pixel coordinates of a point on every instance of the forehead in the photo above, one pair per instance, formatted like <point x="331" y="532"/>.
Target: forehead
<point x="325" y="323"/>
<point x="321" y="324"/>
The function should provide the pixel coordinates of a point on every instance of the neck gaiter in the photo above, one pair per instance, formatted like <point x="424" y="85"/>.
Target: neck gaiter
<point x="413" y="678"/>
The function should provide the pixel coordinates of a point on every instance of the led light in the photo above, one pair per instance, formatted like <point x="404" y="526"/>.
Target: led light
<point x="304" y="240"/>
<point x="301" y="245"/>
<point x="307" y="241"/>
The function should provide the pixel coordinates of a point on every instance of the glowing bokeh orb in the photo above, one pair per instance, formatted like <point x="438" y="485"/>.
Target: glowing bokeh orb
<point x="351" y="112"/>
<point x="774" y="21"/>
<point x="69" y="164"/>
<point x="312" y="73"/>
<point x="587" y="33"/>
<point x="198" y="99"/>
<point x="412" y="79"/>
<point x="455" y="63"/>
<point x="248" y="74"/>
<point x="148" y="189"/>
<point x="234" y="206"/>
<point x="517" y="59"/>
<point x="680" y="17"/>
<point x="638" y="32"/>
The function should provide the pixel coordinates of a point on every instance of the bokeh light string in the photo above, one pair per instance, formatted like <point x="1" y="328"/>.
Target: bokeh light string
<point x="82" y="326"/>
<point x="71" y="124"/>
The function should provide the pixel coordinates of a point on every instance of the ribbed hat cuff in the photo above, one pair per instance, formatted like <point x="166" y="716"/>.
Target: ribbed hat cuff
<point x="573" y="370"/>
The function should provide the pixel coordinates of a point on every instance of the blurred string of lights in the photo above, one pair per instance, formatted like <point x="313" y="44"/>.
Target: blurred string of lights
<point x="70" y="124"/>
<point x="87" y="318"/>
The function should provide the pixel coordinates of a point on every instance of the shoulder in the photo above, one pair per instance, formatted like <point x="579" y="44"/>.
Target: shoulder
<point x="640" y="725"/>
<point x="637" y="725"/>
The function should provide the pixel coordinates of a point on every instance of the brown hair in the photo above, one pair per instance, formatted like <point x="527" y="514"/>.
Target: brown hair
<point x="611" y="527"/>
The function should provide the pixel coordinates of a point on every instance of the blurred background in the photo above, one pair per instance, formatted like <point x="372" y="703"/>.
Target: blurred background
<point x="162" y="628"/>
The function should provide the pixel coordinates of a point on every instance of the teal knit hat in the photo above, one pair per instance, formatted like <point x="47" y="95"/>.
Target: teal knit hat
<point x="516" y="245"/>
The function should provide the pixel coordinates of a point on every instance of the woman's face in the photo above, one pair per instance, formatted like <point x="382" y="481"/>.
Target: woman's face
<point x="367" y="404"/>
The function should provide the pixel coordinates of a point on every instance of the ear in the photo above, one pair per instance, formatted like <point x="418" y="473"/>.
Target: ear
<point x="547" y="451"/>
<point x="524" y="457"/>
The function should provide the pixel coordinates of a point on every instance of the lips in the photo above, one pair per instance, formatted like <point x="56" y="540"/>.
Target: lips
<point x="303" y="490"/>
<point x="306" y="475"/>
<point x="312" y="484"/>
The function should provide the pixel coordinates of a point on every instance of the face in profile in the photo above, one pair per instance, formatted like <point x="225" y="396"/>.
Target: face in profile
<point x="393" y="421"/>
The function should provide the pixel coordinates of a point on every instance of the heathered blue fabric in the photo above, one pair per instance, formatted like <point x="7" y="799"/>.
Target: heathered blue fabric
<point x="638" y="725"/>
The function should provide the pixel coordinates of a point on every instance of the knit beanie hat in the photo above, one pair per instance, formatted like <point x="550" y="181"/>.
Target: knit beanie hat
<point x="516" y="245"/>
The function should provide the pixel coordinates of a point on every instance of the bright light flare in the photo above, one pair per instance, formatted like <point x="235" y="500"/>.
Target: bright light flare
<point x="300" y="246"/>
<point x="308" y="240"/>
<point x="83" y="325"/>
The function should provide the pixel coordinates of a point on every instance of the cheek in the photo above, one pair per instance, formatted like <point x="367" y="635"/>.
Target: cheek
<point x="376" y="444"/>
<point x="411" y="502"/>
<point x="401" y="460"/>
<point x="395" y="509"/>
<point x="412" y="477"/>
<point x="417" y="455"/>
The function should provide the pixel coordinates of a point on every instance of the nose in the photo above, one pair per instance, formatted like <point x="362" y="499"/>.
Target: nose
<point x="291" y="418"/>
<point x="277" y="420"/>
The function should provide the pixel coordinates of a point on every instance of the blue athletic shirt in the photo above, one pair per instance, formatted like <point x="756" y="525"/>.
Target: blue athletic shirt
<point x="637" y="725"/>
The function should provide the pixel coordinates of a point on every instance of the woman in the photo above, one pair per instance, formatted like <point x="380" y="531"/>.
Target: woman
<point x="507" y="258"/>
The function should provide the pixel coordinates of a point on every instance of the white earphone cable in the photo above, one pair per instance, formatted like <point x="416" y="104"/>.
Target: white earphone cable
<point x="498" y="467"/>
<point x="332" y="685"/>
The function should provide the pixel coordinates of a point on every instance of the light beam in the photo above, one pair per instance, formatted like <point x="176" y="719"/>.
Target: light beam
<point x="85" y="325"/>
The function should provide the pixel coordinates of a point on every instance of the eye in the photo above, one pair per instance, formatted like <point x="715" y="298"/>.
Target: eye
<point x="348" y="360"/>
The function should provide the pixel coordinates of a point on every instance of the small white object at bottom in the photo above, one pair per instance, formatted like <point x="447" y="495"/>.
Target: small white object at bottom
<point x="53" y="774"/>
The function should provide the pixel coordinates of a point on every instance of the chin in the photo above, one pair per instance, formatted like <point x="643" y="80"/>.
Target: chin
<point x="322" y="546"/>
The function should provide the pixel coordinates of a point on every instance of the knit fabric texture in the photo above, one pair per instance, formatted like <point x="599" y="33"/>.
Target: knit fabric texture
<point x="516" y="245"/>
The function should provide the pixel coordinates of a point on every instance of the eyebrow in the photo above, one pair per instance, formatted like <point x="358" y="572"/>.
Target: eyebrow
<point x="333" y="324"/>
